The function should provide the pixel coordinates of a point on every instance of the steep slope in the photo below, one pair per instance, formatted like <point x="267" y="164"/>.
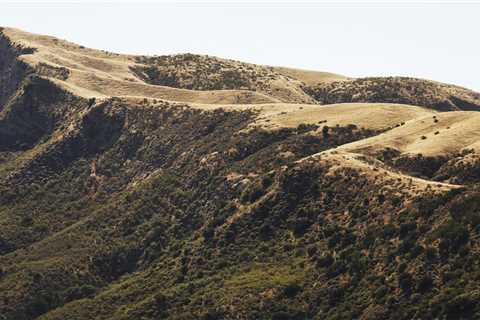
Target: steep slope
<point x="127" y="206"/>
<point x="12" y="71"/>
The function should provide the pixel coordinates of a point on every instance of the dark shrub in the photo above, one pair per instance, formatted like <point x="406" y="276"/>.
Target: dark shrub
<point x="291" y="290"/>
<point x="405" y="281"/>
<point x="300" y="226"/>
<point x="282" y="315"/>
<point x="381" y="292"/>
<point x="425" y="283"/>
<point x="405" y="228"/>
<point x="452" y="236"/>
<point x="208" y="232"/>
<point x="325" y="261"/>
<point x="81" y="292"/>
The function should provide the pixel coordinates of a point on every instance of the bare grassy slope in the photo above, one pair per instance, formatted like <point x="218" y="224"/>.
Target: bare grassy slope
<point x="186" y="78"/>
<point x="440" y="134"/>
<point x="377" y="116"/>
<point x="94" y="73"/>
<point x="310" y="77"/>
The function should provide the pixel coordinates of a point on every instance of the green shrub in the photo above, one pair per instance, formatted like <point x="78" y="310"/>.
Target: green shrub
<point x="81" y="292"/>
<point x="252" y="193"/>
<point x="381" y="292"/>
<point x="453" y="235"/>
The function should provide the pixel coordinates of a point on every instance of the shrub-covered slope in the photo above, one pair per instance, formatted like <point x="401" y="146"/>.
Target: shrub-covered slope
<point x="197" y="72"/>
<point x="153" y="211"/>
<point x="418" y="92"/>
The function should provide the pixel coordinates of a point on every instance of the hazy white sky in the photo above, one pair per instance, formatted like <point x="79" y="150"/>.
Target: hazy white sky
<point x="437" y="40"/>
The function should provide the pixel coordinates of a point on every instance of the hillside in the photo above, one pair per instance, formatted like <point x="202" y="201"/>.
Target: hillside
<point x="188" y="71"/>
<point x="194" y="187"/>
<point x="438" y="96"/>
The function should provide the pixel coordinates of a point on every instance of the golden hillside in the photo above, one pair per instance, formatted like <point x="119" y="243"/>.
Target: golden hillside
<point x="196" y="187"/>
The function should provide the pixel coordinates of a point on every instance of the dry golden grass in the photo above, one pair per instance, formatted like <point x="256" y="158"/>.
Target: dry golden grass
<point x="310" y="77"/>
<point x="376" y="172"/>
<point x="375" y="116"/>
<point x="447" y="133"/>
<point x="95" y="73"/>
<point x="88" y="84"/>
<point x="63" y="53"/>
<point x="203" y="72"/>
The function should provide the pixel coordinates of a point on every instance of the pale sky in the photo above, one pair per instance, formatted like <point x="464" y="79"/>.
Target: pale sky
<point x="438" y="40"/>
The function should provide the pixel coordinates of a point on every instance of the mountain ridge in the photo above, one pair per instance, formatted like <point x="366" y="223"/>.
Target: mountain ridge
<point x="233" y="193"/>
